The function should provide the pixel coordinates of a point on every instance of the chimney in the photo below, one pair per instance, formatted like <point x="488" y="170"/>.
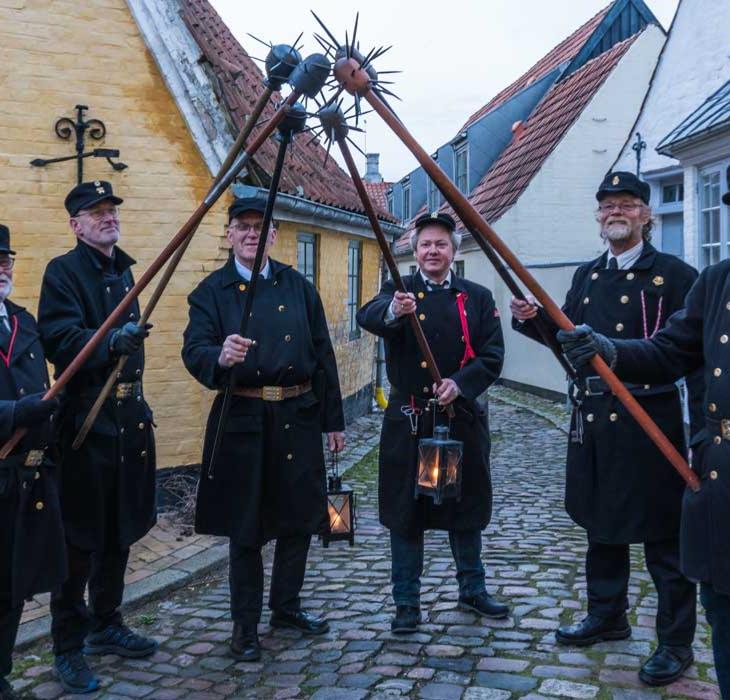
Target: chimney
<point x="373" y="172"/>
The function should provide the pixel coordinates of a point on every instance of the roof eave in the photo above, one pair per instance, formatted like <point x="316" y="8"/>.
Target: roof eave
<point x="672" y="148"/>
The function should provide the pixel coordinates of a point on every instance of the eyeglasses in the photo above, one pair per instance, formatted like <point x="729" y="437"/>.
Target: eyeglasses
<point x="99" y="214"/>
<point x="623" y="208"/>
<point x="244" y="228"/>
<point x="7" y="263"/>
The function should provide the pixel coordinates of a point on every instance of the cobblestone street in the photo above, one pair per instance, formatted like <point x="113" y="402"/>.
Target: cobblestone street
<point x="534" y="557"/>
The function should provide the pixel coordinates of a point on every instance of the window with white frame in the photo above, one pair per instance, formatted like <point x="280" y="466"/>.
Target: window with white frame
<point x="354" y="286"/>
<point x="406" y="201"/>
<point x="461" y="167"/>
<point x="713" y="244"/>
<point x="307" y="256"/>
<point x="389" y="197"/>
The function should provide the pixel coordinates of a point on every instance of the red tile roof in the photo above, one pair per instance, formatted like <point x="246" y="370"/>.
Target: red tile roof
<point x="566" y="50"/>
<point x="520" y="161"/>
<point x="240" y="82"/>
<point x="377" y="193"/>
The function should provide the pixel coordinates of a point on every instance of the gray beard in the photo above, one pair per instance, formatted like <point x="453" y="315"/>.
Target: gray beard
<point x="6" y="292"/>
<point x="616" y="232"/>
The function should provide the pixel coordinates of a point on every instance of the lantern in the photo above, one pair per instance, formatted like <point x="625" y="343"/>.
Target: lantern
<point x="439" y="465"/>
<point x="340" y="509"/>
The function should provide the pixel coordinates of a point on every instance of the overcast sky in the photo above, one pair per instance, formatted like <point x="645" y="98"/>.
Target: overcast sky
<point x="455" y="55"/>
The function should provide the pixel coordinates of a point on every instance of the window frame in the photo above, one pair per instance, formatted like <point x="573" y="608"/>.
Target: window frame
<point x="705" y="259"/>
<point x="461" y="149"/>
<point x="354" y="284"/>
<point x="406" y="210"/>
<point x="308" y="239"/>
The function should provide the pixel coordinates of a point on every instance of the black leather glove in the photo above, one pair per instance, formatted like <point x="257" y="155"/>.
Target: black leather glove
<point x="129" y="338"/>
<point x="32" y="410"/>
<point x="582" y="343"/>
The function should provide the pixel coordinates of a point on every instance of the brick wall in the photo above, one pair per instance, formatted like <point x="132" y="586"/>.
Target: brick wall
<point x="56" y="54"/>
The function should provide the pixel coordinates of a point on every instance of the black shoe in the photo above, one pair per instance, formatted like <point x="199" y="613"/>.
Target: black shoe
<point x="484" y="605"/>
<point x="120" y="640"/>
<point x="299" y="620"/>
<point x="6" y="691"/>
<point x="74" y="673"/>
<point x="666" y="665"/>
<point x="594" y="629"/>
<point x="244" y="644"/>
<point x="406" y="620"/>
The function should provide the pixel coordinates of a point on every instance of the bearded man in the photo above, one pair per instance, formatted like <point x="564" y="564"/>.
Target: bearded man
<point x="619" y="487"/>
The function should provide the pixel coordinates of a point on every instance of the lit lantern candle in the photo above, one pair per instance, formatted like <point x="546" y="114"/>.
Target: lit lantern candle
<point x="439" y="466"/>
<point x="340" y="509"/>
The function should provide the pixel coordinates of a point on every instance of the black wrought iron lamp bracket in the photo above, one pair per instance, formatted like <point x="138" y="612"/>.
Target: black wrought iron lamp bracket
<point x="66" y="128"/>
<point x="638" y="146"/>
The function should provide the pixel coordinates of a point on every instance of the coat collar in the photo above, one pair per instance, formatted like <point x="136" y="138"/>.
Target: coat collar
<point x="645" y="262"/>
<point x="27" y="331"/>
<point x="418" y="285"/>
<point x="99" y="261"/>
<point x="230" y="276"/>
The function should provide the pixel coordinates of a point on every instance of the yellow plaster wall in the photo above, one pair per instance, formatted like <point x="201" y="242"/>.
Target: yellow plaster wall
<point x="55" y="54"/>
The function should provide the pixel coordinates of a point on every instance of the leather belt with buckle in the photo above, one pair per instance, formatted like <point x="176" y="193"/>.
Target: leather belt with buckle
<point x="34" y="458"/>
<point x="273" y="393"/>
<point x="595" y="386"/>
<point x="125" y="390"/>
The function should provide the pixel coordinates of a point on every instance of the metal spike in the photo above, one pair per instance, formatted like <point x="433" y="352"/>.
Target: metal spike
<point x="314" y="137"/>
<point x="357" y="109"/>
<point x="335" y="96"/>
<point x="354" y="31"/>
<point x="388" y="72"/>
<point x="268" y="45"/>
<point x="325" y="45"/>
<point x="327" y="31"/>
<point x="382" y="82"/>
<point x="348" y="52"/>
<point x="356" y="146"/>
<point x="327" y="155"/>
<point x="378" y="90"/>
<point x="256" y="58"/>
<point x="355" y="128"/>
<point x="367" y="59"/>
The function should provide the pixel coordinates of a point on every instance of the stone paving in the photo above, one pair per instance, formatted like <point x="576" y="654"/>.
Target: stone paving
<point x="534" y="557"/>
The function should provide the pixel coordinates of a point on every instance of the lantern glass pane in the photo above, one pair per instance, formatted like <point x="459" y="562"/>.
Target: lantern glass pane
<point x="339" y="513"/>
<point x="453" y="463"/>
<point x="428" y="466"/>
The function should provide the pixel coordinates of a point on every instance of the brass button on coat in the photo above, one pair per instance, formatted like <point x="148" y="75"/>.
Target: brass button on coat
<point x="619" y="327"/>
<point x="727" y="306"/>
<point x="594" y="276"/>
<point x="290" y="456"/>
<point x="242" y="287"/>
<point x="713" y="475"/>
<point x="421" y="317"/>
<point x="723" y="339"/>
<point x="717" y="440"/>
<point x="717" y="371"/>
<point x="287" y="337"/>
<point x="613" y="417"/>
<point x="712" y="407"/>
<point x="630" y="276"/>
<point x="420" y="295"/>
<point x="425" y="390"/>
<point x="624" y="299"/>
<point x="586" y="300"/>
<point x="140" y="426"/>
<point x="590" y="418"/>
<point x="21" y="391"/>
<point x="424" y="364"/>
<point x="39" y="505"/>
<point x="286" y="426"/>
<point x="32" y="356"/>
<point x="281" y="307"/>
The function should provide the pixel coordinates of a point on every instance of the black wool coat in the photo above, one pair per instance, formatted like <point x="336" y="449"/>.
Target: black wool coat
<point x="32" y="546"/>
<point x="411" y="383"/>
<point x="619" y="486"/>
<point x="269" y="477"/>
<point x="697" y="338"/>
<point x="108" y="484"/>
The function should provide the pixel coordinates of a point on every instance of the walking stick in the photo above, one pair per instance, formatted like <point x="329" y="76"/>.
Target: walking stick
<point x="307" y="78"/>
<point x="355" y="80"/>
<point x="294" y="122"/>
<point x="280" y="62"/>
<point x="335" y="128"/>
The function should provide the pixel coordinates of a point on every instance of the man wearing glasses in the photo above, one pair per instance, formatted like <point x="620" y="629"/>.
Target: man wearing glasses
<point x="108" y="484"/>
<point x="32" y="554"/>
<point x="268" y="480"/>
<point x="618" y="485"/>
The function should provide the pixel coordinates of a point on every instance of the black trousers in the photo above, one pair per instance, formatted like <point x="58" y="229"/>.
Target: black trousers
<point x="71" y="618"/>
<point x="9" y="623"/>
<point x="246" y="578"/>
<point x="607" y="574"/>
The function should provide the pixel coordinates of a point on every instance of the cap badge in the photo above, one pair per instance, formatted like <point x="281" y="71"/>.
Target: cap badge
<point x="100" y="190"/>
<point x="616" y="180"/>
<point x="434" y="215"/>
<point x="97" y="183"/>
<point x="658" y="281"/>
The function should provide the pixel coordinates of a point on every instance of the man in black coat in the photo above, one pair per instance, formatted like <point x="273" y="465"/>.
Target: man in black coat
<point x="108" y="484"/>
<point x="695" y="337"/>
<point x="619" y="487"/>
<point x="462" y="326"/>
<point x="32" y="553"/>
<point x="268" y="480"/>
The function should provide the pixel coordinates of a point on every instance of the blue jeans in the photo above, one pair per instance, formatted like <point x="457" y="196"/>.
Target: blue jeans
<point x="407" y="565"/>
<point x="717" y="607"/>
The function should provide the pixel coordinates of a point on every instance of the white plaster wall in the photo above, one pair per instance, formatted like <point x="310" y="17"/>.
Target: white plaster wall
<point x="694" y="64"/>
